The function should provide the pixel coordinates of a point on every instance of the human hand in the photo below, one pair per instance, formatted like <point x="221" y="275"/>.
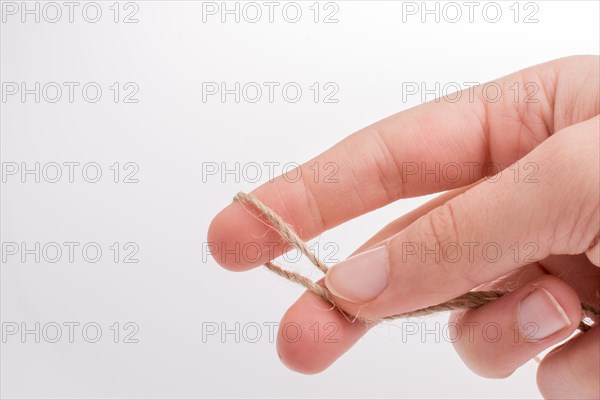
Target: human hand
<point x="553" y="205"/>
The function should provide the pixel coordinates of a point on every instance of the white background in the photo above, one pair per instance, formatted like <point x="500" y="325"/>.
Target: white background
<point x="175" y="289"/>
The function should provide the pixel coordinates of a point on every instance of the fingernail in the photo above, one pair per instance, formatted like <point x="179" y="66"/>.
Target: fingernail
<point x="360" y="278"/>
<point x="541" y="310"/>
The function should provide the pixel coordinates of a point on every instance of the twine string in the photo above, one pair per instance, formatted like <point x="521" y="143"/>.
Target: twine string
<point x="473" y="299"/>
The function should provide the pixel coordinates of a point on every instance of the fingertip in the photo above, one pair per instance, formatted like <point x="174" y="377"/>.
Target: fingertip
<point x="220" y="233"/>
<point x="538" y="314"/>
<point x="313" y="335"/>
<point x="238" y="240"/>
<point x="293" y="360"/>
<point x="298" y="343"/>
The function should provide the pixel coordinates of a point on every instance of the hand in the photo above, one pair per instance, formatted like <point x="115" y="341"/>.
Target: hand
<point x="541" y="213"/>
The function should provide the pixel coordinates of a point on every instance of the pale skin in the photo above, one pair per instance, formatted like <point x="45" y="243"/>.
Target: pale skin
<point x="559" y="212"/>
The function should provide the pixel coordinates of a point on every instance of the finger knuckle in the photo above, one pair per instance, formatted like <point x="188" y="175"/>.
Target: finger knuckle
<point x="440" y="226"/>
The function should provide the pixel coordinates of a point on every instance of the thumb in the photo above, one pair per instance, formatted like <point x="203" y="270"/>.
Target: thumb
<point x="547" y="203"/>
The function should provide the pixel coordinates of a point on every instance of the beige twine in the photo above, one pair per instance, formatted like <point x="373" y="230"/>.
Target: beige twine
<point x="468" y="300"/>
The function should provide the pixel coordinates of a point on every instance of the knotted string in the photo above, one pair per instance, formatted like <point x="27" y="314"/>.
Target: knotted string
<point x="468" y="300"/>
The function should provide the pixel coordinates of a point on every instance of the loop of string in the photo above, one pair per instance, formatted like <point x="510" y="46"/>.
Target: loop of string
<point x="472" y="299"/>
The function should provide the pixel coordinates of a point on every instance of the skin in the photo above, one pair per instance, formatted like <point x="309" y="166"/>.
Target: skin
<point x="560" y="212"/>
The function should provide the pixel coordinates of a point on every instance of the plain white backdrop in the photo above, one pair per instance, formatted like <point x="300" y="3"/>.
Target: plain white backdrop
<point x="172" y="140"/>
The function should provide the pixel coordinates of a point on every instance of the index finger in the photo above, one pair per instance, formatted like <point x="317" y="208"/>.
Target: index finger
<point x="395" y="158"/>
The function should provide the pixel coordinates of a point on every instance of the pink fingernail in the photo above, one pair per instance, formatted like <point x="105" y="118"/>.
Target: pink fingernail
<point x="360" y="278"/>
<point x="541" y="310"/>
